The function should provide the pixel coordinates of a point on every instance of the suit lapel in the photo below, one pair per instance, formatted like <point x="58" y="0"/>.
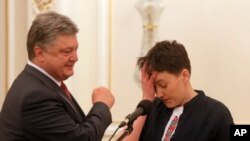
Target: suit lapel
<point x="71" y="106"/>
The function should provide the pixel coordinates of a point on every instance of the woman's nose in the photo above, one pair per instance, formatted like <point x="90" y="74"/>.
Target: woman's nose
<point x="159" y="93"/>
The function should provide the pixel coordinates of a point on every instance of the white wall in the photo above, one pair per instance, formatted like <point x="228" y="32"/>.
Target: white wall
<point x="216" y="35"/>
<point x="2" y="51"/>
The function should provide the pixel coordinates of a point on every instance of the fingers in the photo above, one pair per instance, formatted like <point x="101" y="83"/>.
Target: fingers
<point x="153" y="77"/>
<point x="144" y="74"/>
<point x="145" y="77"/>
<point x="147" y="82"/>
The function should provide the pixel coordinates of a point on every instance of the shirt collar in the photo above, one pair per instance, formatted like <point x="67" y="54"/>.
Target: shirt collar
<point x="44" y="72"/>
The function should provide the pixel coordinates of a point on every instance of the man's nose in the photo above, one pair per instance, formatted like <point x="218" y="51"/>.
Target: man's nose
<point x="74" y="56"/>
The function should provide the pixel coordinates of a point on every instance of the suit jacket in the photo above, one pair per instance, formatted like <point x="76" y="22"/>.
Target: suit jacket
<point x="36" y="109"/>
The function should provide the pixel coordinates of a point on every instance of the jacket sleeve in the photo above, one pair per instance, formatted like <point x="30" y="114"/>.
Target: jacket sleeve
<point x="224" y="121"/>
<point x="44" y="117"/>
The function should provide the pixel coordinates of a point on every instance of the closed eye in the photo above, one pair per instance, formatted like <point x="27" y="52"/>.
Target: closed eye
<point x="67" y="51"/>
<point x="161" y="85"/>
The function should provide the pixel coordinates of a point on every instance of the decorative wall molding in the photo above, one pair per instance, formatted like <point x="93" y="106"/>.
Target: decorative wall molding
<point x="150" y="12"/>
<point x="6" y="46"/>
<point x="10" y="42"/>
<point x="103" y="43"/>
<point x="40" y="6"/>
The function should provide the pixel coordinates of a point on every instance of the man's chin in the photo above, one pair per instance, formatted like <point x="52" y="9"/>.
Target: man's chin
<point x="68" y="75"/>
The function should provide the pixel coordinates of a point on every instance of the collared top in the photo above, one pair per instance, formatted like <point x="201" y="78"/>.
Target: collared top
<point x="176" y="112"/>
<point x="44" y="72"/>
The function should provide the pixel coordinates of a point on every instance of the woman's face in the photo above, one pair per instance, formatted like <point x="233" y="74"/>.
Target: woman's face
<point x="171" y="89"/>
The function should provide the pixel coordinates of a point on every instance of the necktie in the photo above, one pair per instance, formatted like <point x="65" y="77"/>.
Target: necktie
<point x="65" y="90"/>
<point x="171" y="128"/>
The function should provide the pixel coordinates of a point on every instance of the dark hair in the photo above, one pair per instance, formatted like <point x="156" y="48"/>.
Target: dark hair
<point x="45" y="29"/>
<point x="166" y="56"/>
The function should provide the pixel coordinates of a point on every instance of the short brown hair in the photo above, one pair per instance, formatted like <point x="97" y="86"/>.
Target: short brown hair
<point x="167" y="56"/>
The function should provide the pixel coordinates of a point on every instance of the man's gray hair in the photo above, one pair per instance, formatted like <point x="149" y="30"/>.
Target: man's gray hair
<point x="45" y="29"/>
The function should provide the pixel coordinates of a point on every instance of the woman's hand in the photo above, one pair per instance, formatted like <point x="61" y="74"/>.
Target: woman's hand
<point x="147" y="82"/>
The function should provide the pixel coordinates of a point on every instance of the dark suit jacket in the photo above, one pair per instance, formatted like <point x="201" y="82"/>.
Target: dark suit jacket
<point x="36" y="109"/>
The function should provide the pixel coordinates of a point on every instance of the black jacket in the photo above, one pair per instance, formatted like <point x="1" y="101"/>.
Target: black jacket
<point x="36" y="109"/>
<point x="203" y="119"/>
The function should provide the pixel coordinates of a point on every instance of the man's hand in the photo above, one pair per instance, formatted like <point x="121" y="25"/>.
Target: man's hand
<point x="102" y="94"/>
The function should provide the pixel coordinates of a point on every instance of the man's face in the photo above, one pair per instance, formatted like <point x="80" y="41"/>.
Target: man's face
<point x="171" y="89"/>
<point x="59" y="57"/>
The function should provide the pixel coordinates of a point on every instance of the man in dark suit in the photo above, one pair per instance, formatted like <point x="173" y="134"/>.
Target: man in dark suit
<point x="36" y="108"/>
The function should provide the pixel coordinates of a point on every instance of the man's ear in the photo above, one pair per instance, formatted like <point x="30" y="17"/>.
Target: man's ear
<point x="185" y="75"/>
<point x="39" y="53"/>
